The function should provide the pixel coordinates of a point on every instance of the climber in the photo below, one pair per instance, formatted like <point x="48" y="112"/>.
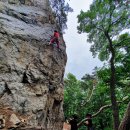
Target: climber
<point x="55" y="39"/>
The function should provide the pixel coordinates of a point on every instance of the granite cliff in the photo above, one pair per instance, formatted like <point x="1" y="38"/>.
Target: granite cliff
<point x="31" y="71"/>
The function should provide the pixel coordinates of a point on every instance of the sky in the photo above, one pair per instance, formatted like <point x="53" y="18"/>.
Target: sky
<point x="80" y="60"/>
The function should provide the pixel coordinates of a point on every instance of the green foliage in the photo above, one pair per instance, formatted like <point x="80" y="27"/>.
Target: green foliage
<point x="74" y="95"/>
<point x="61" y="10"/>
<point x="77" y="92"/>
<point x="103" y="17"/>
<point x="104" y="23"/>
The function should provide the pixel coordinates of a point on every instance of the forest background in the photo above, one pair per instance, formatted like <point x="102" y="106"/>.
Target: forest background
<point x="105" y="92"/>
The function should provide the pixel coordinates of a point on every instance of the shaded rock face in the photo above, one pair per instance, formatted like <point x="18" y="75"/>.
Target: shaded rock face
<point x="31" y="71"/>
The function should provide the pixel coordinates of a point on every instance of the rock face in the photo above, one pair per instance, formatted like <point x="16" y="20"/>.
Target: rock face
<point x="31" y="71"/>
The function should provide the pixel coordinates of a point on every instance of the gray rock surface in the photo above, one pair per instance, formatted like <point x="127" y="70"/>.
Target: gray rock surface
<point x="31" y="71"/>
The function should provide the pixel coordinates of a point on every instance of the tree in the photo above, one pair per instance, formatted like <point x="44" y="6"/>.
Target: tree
<point x="60" y="9"/>
<point x="71" y="93"/>
<point x="91" y="94"/>
<point x="83" y="96"/>
<point x="77" y="95"/>
<point x="104" y="22"/>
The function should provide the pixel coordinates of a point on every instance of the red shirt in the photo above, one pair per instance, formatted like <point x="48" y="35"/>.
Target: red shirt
<point x="56" y="34"/>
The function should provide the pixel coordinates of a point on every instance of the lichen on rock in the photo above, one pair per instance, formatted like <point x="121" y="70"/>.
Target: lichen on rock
<point x="31" y="71"/>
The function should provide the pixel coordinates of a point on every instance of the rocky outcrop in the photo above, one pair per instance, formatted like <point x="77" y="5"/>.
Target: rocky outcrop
<point x="31" y="71"/>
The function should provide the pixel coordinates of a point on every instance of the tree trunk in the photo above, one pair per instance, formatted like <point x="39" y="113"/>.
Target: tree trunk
<point x="115" y="108"/>
<point x="125" y="124"/>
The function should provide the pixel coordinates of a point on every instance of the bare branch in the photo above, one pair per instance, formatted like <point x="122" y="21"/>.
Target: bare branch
<point x="100" y="110"/>
<point x="89" y="98"/>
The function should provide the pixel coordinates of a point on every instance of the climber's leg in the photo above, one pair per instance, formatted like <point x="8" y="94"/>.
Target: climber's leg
<point x="52" y="40"/>
<point x="58" y="44"/>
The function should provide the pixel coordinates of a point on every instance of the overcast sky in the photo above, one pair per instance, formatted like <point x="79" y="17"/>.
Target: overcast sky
<point x="80" y="60"/>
